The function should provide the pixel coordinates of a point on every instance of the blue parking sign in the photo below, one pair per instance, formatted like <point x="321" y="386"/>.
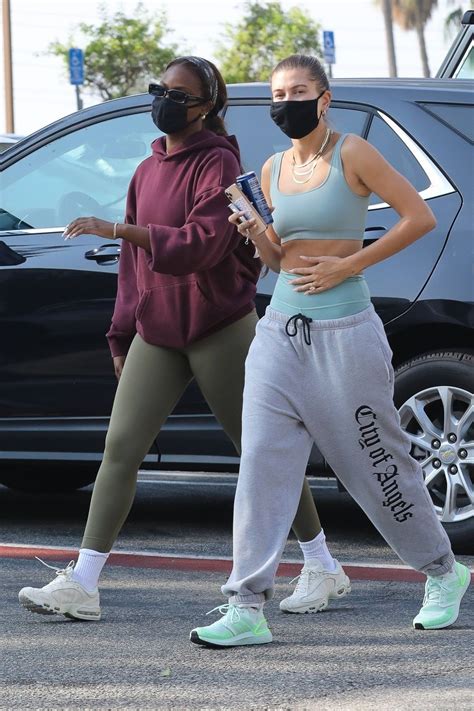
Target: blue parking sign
<point x="329" y="47"/>
<point x="76" y="66"/>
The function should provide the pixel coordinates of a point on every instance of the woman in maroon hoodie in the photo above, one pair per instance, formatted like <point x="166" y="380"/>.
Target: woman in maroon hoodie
<point x="184" y="310"/>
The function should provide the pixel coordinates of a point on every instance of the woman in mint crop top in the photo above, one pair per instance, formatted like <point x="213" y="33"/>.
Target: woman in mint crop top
<point x="319" y="371"/>
<point x="319" y="189"/>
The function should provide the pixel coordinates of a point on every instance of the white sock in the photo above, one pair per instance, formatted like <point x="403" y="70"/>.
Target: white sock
<point x="317" y="550"/>
<point x="88" y="568"/>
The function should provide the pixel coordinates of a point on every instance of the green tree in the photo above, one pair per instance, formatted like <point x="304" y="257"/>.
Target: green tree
<point x="264" y="36"/>
<point x="121" y="54"/>
<point x="414" y="15"/>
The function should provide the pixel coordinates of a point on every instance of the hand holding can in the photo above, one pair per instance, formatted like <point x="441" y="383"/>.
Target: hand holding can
<point x="248" y="183"/>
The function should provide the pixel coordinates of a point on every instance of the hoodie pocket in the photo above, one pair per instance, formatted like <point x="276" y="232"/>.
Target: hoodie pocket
<point x="175" y="315"/>
<point x="144" y="298"/>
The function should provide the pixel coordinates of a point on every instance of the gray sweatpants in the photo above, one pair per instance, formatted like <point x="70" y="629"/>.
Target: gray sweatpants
<point x="336" y="391"/>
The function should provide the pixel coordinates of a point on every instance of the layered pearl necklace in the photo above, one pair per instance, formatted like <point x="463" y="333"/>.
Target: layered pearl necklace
<point x="307" y="169"/>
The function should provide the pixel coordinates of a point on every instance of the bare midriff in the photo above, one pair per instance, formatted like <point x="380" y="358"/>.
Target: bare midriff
<point x="291" y="252"/>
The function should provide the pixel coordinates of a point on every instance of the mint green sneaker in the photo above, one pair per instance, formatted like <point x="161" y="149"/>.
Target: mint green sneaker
<point x="443" y="595"/>
<point x="239" y="625"/>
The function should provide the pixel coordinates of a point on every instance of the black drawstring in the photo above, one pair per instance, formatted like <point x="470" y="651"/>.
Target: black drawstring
<point x="305" y="320"/>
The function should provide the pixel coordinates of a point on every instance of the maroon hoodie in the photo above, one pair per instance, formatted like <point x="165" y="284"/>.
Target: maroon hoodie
<point x="200" y="275"/>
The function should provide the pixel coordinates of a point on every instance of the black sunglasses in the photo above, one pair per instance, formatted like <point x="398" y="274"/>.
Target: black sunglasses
<point x="179" y="97"/>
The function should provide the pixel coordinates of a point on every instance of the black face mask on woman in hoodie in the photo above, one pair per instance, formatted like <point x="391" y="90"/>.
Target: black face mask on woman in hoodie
<point x="169" y="116"/>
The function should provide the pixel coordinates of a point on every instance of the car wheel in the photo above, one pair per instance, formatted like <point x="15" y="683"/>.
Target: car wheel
<point x="435" y="401"/>
<point x="46" y="477"/>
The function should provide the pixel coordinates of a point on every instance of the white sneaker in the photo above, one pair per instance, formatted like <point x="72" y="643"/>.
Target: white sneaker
<point x="62" y="596"/>
<point x="315" y="587"/>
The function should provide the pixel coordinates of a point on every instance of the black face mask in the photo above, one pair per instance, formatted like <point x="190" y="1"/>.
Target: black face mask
<point x="296" y="118"/>
<point x="169" y="116"/>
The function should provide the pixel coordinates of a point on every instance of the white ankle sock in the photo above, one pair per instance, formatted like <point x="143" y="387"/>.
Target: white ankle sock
<point x="88" y="568"/>
<point x="317" y="550"/>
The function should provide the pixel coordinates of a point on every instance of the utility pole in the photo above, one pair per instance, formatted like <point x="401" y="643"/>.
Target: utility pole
<point x="7" y="64"/>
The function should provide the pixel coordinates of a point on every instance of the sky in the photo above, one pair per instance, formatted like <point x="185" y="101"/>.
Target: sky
<point x="42" y="92"/>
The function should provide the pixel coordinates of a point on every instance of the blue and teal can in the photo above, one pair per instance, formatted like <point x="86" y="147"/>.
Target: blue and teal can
<point x="248" y="183"/>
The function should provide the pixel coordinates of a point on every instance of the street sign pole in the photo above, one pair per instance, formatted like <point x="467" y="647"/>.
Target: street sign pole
<point x="76" y="72"/>
<point x="329" y="50"/>
<point x="79" y="101"/>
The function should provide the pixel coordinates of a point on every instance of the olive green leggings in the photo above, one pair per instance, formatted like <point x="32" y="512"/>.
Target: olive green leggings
<point x="152" y="381"/>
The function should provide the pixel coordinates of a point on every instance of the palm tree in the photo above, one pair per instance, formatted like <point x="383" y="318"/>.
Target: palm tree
<point x="386" y="6"/>
<point x="413" y="15"/>
<point x="452" y="22"/>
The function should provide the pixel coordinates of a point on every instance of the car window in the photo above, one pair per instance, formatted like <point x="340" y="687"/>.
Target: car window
<point x="85" y="172"/>
<point x="397" y="154"/>
<point x="259" y="137"/>
<point x="458" y="116"/>
<point x="465" y="69"/>
<point x="347" y="120"/>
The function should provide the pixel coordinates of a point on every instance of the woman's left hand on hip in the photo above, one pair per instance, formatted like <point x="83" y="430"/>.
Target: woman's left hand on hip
<point x="324" y="273"/>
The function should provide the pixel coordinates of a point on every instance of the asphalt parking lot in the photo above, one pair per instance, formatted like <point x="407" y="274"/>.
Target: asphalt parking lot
<point x="359" y="654"/>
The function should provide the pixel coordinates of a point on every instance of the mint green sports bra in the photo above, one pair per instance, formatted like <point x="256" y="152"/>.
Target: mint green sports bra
<point x="329" y="211"/>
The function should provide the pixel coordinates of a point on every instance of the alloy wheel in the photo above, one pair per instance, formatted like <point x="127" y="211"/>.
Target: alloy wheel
<point x="439" y="422"/>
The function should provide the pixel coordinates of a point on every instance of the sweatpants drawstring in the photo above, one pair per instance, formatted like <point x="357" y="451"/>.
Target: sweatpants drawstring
<point x="305" y="320"/>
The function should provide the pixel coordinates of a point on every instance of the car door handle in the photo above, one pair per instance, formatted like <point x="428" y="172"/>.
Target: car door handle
<point x="108" y="254"/>
<point x="372" y="234"/>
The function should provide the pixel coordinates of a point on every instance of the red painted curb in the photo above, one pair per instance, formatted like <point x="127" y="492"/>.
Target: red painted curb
<point x="210" y="565"/>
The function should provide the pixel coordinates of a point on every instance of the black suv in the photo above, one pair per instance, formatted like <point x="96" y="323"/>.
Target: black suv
<point x="56" y="297"/>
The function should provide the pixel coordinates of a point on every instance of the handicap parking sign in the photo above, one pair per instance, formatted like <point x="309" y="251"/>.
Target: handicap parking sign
<point x="329" y="47"/>
<point x="76" y="66"/>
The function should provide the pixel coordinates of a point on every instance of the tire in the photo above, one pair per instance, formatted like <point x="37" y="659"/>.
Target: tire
<point x="46" y="477"/>
<point x="439" y="387"/>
